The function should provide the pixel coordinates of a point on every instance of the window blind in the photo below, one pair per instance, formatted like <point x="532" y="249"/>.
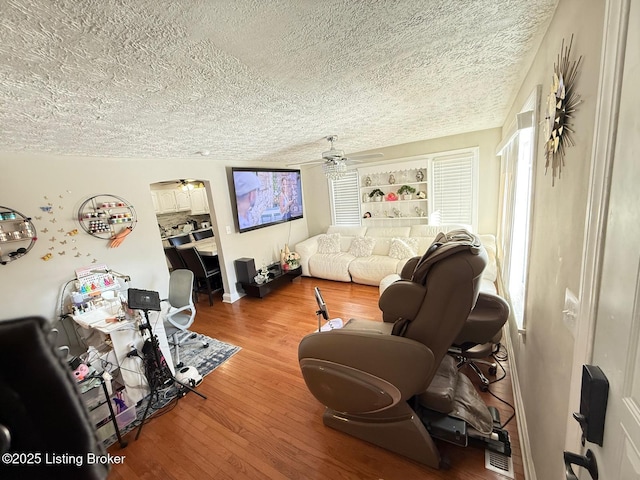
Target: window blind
<point x="345" y="196"/>
<point x="453" y="189"/>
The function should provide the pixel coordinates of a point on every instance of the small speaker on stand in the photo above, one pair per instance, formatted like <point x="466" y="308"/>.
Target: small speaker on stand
<point x="245" y="269"/>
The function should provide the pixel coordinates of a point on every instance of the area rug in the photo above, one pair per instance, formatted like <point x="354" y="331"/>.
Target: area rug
<point x="205" y="360"/>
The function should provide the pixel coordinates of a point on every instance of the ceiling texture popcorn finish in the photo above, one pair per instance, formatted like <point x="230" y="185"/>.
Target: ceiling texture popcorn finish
<point x="256" y="81"/>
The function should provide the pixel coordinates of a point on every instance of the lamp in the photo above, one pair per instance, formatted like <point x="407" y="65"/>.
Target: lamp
<point x="335" y="169"/>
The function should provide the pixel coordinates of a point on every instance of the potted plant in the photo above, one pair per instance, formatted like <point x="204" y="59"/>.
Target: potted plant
<point x="406" y="191"/>
<point x="376" y="194"/>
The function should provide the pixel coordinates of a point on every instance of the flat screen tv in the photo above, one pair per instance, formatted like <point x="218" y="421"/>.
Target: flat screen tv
<point x="266" y="196"/>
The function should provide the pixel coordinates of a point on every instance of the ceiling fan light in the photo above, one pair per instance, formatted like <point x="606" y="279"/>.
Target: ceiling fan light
<point x="335" y="170"/>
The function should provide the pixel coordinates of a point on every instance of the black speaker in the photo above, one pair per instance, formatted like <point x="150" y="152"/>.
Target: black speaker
<point x="245" y="269"/>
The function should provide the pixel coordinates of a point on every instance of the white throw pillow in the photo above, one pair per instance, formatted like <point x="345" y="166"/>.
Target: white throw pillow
<point x="362" y="246"/>
<point x="402" y="248"/>
<point x="329" y="243"/>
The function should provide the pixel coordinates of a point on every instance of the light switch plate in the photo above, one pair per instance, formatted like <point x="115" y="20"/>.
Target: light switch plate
<point x="570" y="311"/>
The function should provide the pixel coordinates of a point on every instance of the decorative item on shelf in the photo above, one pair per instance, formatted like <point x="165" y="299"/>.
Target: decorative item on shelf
<point x="391" y="197"/>
<point x="376" y="194"/>
<point x="365" y="197"/>
<point x="262" y="276"/>
<point x="561" y="104"/>
<point x="397" y="213"/>
<point x="421" y="195"/>
<point x="367" y="181"/>
<point x="367" y="215"/>
<point x="420" y="212"/>
<point x="288" y="259"/>
<point x="406" y="191"/>
<point x="392" y="179"/>
<point x="419" y="175"/>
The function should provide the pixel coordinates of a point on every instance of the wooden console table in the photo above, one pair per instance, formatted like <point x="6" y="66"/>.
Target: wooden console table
<point x="260" y="290"/>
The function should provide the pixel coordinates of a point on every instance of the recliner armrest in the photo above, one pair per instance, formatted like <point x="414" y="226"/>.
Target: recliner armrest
<point x="401" y="299"/>
<point x="402" y="362"/>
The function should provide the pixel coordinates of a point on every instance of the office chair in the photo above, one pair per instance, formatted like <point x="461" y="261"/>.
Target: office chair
<point x="480" y="335"/>
<point x="181" y="312"/>
<point x="181" y="240"/>
<point x="42" y="410"/>
<point x="202" y="234"/>
<point x="392" y="383"/>
<point x="174" y="259"/>
<point x="208" y="279"/>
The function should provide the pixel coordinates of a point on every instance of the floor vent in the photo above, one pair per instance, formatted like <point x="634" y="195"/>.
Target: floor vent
<point x="497" y="462"/>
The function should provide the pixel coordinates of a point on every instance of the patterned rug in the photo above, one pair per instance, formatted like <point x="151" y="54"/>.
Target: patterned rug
<point x="205" y="360"/>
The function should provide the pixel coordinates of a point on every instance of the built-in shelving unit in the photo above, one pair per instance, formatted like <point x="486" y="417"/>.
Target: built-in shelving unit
<point x="393" y="208"/>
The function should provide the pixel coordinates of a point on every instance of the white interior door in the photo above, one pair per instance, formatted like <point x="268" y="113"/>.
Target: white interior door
<point x="616" y="348"/>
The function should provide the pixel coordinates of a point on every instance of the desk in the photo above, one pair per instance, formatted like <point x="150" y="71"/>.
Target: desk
<point x="123" y="335"/>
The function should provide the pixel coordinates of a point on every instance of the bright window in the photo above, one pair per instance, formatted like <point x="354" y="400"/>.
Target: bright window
<point x="345" y="199"/>
<point x="517" y="162"/>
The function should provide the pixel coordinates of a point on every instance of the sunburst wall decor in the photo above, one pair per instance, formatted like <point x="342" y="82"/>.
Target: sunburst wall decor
<point x="561" y="105"/>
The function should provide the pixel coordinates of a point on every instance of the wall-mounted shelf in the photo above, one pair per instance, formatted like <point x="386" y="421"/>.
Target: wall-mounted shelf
<point x="103" y="216"/>
<point x="17" y="233"/>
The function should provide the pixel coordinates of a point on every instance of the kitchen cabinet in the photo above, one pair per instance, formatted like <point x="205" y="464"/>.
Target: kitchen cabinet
<point x="170" y="201"/>
<point x="155" y="201"/>
<point x="199" y="203"/>
<point x="183" y="200"/>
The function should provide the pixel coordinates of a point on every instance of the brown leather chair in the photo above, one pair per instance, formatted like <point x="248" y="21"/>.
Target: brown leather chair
<point x="174" y="258"/>
<point x="202" y="234"/>
<point x="384" y="381"/>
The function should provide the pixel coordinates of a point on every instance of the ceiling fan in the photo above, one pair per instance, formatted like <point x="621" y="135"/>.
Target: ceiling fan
<point x="334" y="162"/>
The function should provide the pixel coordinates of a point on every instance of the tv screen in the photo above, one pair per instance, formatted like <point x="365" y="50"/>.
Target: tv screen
<point x="266" y="196"/>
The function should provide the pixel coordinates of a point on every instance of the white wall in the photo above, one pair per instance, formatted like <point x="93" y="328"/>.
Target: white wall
<point x="31" y="286"/>
<point x="317" y="190"/>
<point x="544" y="355"/>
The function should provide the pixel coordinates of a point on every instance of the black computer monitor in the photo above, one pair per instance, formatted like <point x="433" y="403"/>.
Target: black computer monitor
<point x="143" y="300"/>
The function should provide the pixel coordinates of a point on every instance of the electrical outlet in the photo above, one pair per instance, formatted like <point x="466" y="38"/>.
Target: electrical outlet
<point x="570" y="311"/>
<point x="228" y="230"/>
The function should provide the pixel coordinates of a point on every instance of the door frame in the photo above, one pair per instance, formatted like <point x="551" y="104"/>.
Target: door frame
<point x="602" y="157"/>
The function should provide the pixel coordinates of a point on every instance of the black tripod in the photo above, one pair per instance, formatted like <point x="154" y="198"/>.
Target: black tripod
<point x="157" y="370"/>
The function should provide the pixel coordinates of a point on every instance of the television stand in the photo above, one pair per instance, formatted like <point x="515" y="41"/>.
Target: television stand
<point x="279" y="279"/>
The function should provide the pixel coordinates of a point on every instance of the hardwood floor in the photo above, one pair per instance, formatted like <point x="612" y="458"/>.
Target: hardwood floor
<point x="261" y="422"/>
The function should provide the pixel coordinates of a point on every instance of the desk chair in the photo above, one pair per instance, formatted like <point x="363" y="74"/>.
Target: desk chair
<point x="181" y="312"/>
<point x="42" y="410"/>
<point x="208" y="233"/>
<point x="174" y="259"/>
<point x="207" y="279"/>
<point x="181" y="240"/>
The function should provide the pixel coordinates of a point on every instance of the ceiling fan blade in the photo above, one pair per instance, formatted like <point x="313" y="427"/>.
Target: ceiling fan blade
<point x="360" y="158"/>
<point x="312" y="162"/>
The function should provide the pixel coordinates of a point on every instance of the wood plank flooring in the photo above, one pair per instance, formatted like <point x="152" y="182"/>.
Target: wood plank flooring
<point x="261" y="422"/>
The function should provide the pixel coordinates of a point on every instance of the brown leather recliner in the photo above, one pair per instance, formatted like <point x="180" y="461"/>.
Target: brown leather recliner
<point x="384" y="382"/>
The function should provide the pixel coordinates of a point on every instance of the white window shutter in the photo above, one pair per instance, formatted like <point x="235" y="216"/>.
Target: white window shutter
<point x="345" y="199"/>
<point x="453" y="189"/>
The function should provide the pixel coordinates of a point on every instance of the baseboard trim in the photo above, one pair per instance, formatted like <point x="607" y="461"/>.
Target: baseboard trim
<point x="231" y="297"/>
<point x="523" y="431"/>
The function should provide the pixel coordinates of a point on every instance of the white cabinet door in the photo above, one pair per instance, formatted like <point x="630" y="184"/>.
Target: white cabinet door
<point x="167" y="201"/>
<point x="183" y="201"/>
<point x="154" y="200"/>
<point x="199" y="203"/>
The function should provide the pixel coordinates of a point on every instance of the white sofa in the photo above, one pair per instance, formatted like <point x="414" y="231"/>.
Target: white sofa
<point x="369" y="255"/>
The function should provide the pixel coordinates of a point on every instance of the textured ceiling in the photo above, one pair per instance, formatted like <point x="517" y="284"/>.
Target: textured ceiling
<point x="256" y="80"/>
